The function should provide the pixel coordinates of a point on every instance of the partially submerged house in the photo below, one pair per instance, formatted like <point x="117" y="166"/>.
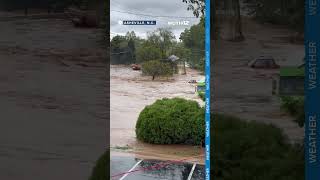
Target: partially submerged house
<point x="179" y="64"/>
<point x="201" y="86"/>
<point x="173" y="60"/>
<point x="290" y="81"/>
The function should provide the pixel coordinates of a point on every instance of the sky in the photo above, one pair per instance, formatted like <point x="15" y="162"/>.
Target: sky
<point x="174" y="10"/>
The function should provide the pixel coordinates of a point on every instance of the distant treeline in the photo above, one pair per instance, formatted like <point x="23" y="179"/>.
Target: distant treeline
<point x="281" y="12"/>
<point x="159" y="45"/>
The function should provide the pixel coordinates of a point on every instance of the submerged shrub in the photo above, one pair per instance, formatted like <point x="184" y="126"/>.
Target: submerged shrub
<point x="171" y="121"/>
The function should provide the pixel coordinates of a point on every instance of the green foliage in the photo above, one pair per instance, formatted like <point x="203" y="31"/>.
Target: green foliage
<point x="248" y="150"/>
<point x="171" y="121"/>
<point x="147" y="52"/>
<point x="202" y="95"/>
<point x="157" y="68"/>
<point x="123" y="49"/>
<point x="294" y="105"/>
<point x="194" y="37"/>
<point x="131" y="49"/>
<point x="181" y="51"/>
<point x="196" y="6"/>
<point x="285" y="12"/>
<point x="163" y="39"/>
<point x="194" y="40"/>
<point x="101" y="171"/>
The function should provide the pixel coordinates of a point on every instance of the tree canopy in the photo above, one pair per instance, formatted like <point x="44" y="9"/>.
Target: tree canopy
<point x="193" y="40"/>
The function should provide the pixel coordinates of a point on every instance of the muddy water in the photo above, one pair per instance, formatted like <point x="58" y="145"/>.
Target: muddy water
<point x="53" y="110"/>
<point x="130" y="92"/>
<point x="246" y="92"/>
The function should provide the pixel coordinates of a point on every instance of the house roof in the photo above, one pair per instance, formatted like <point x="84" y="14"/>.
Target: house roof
<point x="173" y="58"/>
<point x="291" y="71"/>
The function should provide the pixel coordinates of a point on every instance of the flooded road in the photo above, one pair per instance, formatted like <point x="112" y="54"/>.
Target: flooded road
<point x="130" y="92"/>
<point x="247" y="93"/>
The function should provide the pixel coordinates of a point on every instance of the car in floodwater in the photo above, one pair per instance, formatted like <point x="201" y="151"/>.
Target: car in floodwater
<point x="264" y="62"/>
<point x="136" y="67"/>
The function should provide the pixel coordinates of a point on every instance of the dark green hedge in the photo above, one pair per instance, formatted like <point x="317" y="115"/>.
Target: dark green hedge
<point x="101" y="171"/>
<point x="171" y="121"/>
<point x="248" y="150"/>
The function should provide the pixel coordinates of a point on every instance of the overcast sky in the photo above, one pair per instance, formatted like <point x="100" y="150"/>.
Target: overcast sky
<point x="137" y="9"/>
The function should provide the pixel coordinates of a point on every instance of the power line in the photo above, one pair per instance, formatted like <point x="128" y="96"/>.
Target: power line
<point x="120" y="8"/>
<point x="147" y="15"/>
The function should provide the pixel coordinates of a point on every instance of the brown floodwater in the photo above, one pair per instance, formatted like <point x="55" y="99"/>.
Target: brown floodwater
<point x="130" y="92"/>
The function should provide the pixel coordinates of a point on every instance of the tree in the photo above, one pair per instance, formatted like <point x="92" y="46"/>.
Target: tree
<point x="198" y="7"/>
<point x="183" y="53"/>
<point x="131" y="37"/>
<point x="163" y="39"/>
<point x="194" y="37"/>
<point x="148" y="52"/>
<point x="282" y="12"/>
<point x="233" y="6"/>
<point x="120" y="51"/>
<point x="132" y="49"/>
<point x="157" y="46"/>
<point x="194" y="40"/>
<point x="156" y="68"/>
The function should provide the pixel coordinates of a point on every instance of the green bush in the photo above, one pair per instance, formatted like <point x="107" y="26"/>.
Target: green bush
<point x="101" y="171"/>
<point x="294" y="105"/>
<point x="157" y="68"/>
<point x="202" y="95"/>
<point x="171" y="121"/>
<point x="248" y="150"/>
